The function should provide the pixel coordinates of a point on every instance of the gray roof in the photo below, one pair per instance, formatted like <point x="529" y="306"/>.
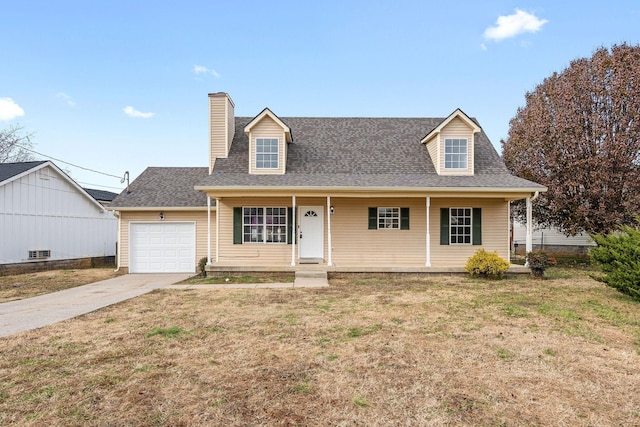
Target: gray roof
<point x="101" y="195"/>
<point x="9" y="170"/>
<point x="361" y="152"/>
<point x="164" y="187"/>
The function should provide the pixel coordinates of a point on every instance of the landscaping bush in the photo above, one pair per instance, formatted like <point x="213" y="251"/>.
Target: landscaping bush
<point x="201" y="266"/>
<point x="618" y="256"/>
<point x="539" y="261"/>
<point x="486" y="264"/>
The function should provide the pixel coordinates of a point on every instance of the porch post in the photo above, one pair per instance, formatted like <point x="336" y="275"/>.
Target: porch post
<point x="529" y="245"/>
<point x="329" y="230"/>
<point x="217" y="229"/>
<point x="428" y="263"/>
<point x="294" y="234"/>
<point x="208" y="230"/>
<point x="509" y="232"/>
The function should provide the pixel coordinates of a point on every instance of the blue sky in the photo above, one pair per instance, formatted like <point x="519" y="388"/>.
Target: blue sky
<point x="117" y="86"/>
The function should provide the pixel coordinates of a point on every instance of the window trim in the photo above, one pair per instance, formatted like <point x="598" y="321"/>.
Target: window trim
<point x="464" y="235"/>
<point x="476" y="226"/>
<point x="394" y="218"/>
<point x="239" y="226"/>
<point x="403" y="218"/>
<point x="277" y="153"/>
<point x="466" y="155"/>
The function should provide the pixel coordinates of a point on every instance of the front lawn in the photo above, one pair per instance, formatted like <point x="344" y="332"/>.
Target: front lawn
<point x="385" y="350"/>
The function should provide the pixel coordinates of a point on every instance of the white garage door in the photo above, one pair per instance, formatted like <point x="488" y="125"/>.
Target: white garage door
<point x="167" y="247"/>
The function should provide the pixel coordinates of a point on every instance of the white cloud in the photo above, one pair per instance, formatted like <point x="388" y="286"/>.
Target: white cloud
<point x="132" y="112"/>
<point x="201" y="69"/>
<point x="66" y="98"/>
<point x="9" y="110"/>
<point x="512" y="25"/>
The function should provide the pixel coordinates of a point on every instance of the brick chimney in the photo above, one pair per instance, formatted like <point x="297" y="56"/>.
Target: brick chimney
<point x="222" y="126"/>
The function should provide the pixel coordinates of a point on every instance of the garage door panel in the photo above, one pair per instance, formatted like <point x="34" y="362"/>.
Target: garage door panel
<point x="162" y="247"/>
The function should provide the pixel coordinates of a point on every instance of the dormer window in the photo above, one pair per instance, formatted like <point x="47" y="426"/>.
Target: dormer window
<point x="455" y="153"/>
<point x="267" y="153"/>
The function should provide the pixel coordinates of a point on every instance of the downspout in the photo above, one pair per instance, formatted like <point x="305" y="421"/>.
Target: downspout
<point x="118" y="248"/>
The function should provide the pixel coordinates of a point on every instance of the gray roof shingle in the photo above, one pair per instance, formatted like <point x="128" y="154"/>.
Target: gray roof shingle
<point x="164" y="187"/>
<point x="361" y="152"/>
<point x="9" y="170"/>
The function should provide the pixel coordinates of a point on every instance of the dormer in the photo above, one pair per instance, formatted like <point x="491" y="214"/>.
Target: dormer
<point x="451" y="144"/>
<point x="268" y="140"/>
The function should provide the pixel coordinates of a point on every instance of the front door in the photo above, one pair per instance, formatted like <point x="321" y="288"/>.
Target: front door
<point x="310" y="233"/>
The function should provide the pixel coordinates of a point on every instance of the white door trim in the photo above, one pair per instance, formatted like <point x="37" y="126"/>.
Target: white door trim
<point x="313" y="246"/>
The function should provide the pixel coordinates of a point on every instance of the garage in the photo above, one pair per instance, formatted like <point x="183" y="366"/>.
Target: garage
<point x="162" y="247"/>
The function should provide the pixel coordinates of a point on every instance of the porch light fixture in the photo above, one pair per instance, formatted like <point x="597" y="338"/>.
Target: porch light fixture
<point x="331" y="210"/>
<point x="161" y="216"/>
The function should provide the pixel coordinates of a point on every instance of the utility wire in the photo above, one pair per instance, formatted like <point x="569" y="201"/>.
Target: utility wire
<point x="67" y="163"/>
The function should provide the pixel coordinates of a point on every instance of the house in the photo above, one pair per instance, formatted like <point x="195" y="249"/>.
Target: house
<point x="102" y="196"/>
<point x="551" y="240"/>
<point x="46" y="216"/>
<point x="345" y="194"/>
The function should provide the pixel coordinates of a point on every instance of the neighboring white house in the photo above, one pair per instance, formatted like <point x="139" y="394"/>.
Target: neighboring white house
<point x="551" y="240"/>
<point x="46" y="216"/>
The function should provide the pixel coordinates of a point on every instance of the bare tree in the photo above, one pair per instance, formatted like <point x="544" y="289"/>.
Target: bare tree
<point x="579" y="134"/>
<point x="15" y="144"/>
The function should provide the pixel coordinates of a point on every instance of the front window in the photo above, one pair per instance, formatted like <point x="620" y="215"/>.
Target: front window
<point x="389" y="218"/>
<point x="455" y="153"/>
<point x="460" y="225"/>
<point x="266" y="153"/>
<point x="264" y="225"/>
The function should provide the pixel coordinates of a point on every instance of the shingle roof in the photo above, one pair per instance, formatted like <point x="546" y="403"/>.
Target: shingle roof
<point x="361" y="152"/>
<point x="164" y="187"/>
<point x="9" y="170"/>
<point x="101" y="195"/>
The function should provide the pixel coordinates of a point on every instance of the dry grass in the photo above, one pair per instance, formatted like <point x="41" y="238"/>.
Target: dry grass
<point x="19" y="286"/>
<point x="365" y="351"/>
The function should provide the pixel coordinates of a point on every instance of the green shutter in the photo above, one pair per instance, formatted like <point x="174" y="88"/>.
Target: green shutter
<point x="477" y="226"/>
<point x="237" y="226"/>
<point x="444" y="226"/>
<point x="373" y="218"/>
<point x="290" y="225"/>
<point x="404" y="218"/>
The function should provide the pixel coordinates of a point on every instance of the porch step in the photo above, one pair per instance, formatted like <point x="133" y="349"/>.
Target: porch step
<point x="311" y="278"/>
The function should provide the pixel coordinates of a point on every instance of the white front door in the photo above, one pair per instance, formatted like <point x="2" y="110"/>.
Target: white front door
<point x="310" y="232"/>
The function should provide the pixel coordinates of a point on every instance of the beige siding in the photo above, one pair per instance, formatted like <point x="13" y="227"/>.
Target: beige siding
<point x="495" y="231"/>
<point x="250" y="254"/>
<point x="457" y="128"/>
<point x="222" y="126"/>
<point x="353" y="244"/>
<point x="267" y="128"/>
<point x="432" y="147"/>
<point x="199" y="217"/>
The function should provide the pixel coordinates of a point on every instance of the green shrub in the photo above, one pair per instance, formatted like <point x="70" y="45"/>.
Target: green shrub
<point x="486" y="264"/>
<point x="539" y="261"/>
<point x="618" y="256"/>
<point x="201" y="266"/>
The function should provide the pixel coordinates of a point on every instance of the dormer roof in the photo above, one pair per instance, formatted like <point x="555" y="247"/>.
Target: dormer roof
<point x="268" y="113"/>
<point x="458" y="113"/>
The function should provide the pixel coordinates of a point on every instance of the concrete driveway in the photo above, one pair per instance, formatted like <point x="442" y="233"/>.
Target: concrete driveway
<point x="36" y="312"/>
